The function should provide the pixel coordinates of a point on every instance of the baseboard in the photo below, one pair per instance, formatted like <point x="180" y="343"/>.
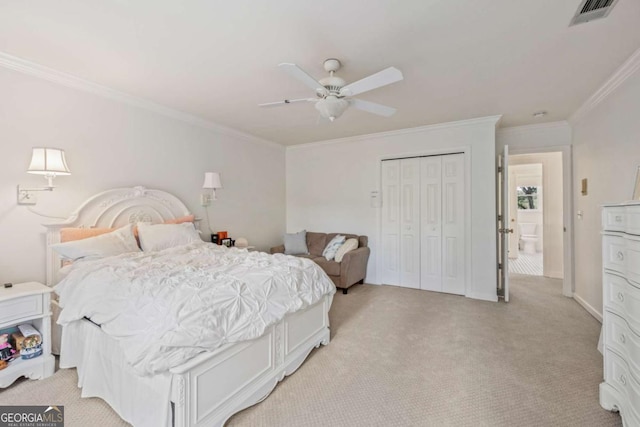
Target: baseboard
<point x="554" y="275"/>
<point x="482" y="296"/>
<point x="592" y="311"/>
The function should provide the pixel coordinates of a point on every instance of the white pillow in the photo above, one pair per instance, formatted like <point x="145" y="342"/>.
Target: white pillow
<point x="332" y="247"/>
<point x="162" y="236"/>
<point x="116" y="242"/>
<point x="347" y="246"/>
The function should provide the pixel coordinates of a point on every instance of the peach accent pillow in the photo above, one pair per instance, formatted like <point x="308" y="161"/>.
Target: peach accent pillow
<point x="71" y="234"/>
<point x="187" y="218"/>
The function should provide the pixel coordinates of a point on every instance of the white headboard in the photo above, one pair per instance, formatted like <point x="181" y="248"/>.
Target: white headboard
<point x="114" y="208"/>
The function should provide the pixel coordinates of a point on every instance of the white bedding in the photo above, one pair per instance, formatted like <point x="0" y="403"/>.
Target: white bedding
<point x="165" y="307"/>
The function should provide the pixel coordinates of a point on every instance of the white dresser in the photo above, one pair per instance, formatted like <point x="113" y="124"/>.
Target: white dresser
<point x="621" y="311"/>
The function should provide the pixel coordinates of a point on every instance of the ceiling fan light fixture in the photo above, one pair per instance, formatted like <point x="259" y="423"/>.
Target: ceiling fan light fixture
<point x="331" y="107"/>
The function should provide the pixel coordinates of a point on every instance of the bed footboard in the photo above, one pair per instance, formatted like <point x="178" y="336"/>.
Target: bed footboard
<point x="209" y="389"/>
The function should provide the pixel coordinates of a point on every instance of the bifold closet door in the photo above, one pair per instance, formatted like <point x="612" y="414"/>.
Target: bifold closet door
<point x="401" y="222"/>
<point x="423" y="223"/>
<point x="410" y="223"/>
<point x="431" y="223"/>
<point x="442" y="223"/>
<point x="390" y="271"/>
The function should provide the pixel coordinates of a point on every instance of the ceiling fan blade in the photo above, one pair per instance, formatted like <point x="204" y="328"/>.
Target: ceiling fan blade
<point x="286" y="101"/>
<point x="374" y="81"/>
<point x="372" y="107"/>
<point x="297" y="72"/>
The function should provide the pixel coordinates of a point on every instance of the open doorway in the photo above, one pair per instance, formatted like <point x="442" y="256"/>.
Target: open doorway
<point x="536" y="215"/>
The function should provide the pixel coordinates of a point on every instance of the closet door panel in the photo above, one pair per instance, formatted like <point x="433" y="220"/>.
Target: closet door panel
<point x="390" y="271"/>
<point x="453" y="183"/>
<point x="410" y="223"/>
<point x="431" y="224"/>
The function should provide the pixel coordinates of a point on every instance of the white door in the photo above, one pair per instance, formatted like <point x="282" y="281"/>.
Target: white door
<point x="431" y="223"/>
<point x="390" y="271"/>
<point x="410" y="223"/>
<point x="503" y="225"/>
<point x="453" y="265"/>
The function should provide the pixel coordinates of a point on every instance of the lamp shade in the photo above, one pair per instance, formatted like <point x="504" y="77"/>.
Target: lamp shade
<point x="212" y="181"/>
<point x="48" y="161"/>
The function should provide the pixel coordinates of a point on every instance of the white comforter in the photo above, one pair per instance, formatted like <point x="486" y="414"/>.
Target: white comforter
<point x="165" y="307"/>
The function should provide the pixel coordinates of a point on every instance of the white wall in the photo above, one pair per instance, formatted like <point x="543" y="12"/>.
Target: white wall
<point x="607" y="152"/>
<point x="112" y="144"/>
<point x="552" y="208"/>
<point x="555" y="134"/>
<point x="329" y="185"/>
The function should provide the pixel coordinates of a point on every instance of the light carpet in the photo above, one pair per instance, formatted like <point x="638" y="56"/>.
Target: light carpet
<point x="401" y="357"/>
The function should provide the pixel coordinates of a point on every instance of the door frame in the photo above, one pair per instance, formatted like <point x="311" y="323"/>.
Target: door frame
<point x="464" y="149"/>
<point x="568" y="284"/>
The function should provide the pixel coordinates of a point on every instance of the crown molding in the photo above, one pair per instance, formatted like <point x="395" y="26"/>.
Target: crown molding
<point x="40" y="71"/>
<point x="625" y="71"/>
<point x="534" y="128"/>
<point x="493" y="120"/>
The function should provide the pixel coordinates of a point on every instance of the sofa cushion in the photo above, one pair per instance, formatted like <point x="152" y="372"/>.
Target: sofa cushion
<point x="346" y="236"/>
<point x="347" y="246"/>
<point x="332" y="268"/>
<point x="333" y="246"/>
<point x="316" y="243"/>
<point x="296" y="243"/>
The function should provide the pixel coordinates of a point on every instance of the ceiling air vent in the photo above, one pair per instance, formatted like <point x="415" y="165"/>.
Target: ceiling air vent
<point x="592" y="9"/>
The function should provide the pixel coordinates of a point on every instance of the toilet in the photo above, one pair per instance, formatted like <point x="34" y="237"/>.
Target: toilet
<point x="528" y="237"/>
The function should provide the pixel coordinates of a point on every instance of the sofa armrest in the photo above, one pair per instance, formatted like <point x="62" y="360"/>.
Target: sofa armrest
<point x="353" y="267"/>
<point x="277" y="249"/>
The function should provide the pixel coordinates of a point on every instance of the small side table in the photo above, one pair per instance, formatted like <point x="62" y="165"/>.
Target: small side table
<point x="28" y="302"/>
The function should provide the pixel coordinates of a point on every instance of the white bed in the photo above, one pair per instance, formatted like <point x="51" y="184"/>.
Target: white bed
<point x="203" y="391"/>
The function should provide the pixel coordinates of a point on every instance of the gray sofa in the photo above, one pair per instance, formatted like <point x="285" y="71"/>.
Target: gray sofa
<point x="352" y="269"/>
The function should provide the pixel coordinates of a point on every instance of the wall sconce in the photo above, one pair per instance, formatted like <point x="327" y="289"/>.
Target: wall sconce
<point x="49" y="162"/>
<point x="211" y="182"/>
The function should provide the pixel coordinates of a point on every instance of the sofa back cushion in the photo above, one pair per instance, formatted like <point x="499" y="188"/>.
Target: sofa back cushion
<point x="316" y="242"/>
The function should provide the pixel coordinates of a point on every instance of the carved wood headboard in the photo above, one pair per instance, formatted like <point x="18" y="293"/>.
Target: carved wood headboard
<point x="114" y="208"/>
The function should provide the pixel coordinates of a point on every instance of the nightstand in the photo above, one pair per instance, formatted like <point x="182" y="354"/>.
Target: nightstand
<point x="27" y="303"/>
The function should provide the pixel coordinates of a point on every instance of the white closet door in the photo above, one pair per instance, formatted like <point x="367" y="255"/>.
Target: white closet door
<point x="410" y="223"/>
<point x="431" y="224"/>
<point x="453" y="262"/>
<point x="390" y="271"/>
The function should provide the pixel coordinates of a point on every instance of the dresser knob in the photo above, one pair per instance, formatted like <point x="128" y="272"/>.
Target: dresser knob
<point x="620" y="255"/>
<point x="618" y="218"/>
<point x="623" y="339"/>
<point x="623" y="379"/>
<point x="621" y="296"/>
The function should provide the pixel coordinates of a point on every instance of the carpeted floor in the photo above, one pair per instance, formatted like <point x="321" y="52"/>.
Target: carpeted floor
<point x="401" y="357"/>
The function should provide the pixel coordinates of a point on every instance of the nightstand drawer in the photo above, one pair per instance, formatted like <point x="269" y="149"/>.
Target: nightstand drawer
<point x="20" y="308"/>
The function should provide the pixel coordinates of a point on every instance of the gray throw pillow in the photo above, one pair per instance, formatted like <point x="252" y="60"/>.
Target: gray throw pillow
<point x="296" y="243"/>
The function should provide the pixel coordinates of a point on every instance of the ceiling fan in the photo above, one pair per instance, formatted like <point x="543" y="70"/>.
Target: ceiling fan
<point x="333" y="95"/>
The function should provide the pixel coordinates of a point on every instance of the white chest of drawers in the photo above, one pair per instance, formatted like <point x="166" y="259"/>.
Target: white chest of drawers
<point x="621" y="311"/>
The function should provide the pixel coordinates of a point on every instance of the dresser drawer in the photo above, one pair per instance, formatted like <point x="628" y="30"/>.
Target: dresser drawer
<point x="633" y="220"/>
<point x="614" y="219"/>
<point x="20" y="308"/>
<point x="617" y="375"/>
<point x="614" y="250"/>
<point x="632" y="260"/>
<point x="623" y="298"/>
<point x="620" y="338"/>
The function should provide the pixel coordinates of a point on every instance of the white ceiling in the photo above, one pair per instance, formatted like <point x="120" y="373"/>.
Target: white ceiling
<point x="218" y="60"/>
